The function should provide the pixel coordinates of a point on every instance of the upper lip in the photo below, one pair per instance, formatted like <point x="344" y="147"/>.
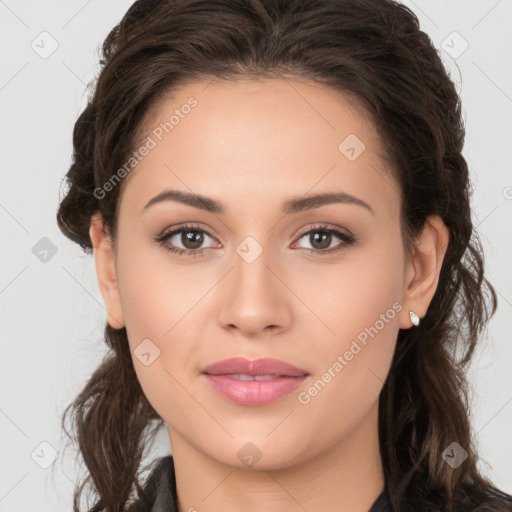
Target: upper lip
<point x="263" y="366"/>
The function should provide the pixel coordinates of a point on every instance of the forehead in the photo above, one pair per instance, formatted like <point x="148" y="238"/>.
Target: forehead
<point x="241" y="141"/>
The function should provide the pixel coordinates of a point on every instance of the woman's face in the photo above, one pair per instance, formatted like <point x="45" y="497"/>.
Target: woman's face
<point x="265" y="277"/>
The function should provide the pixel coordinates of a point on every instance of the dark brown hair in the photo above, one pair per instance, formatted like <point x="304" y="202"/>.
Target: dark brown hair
<point x="375" y="51"/>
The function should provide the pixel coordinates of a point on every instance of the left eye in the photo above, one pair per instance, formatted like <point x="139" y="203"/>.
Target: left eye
<point x="190" y="238"/>
<point x="321" y="238"/>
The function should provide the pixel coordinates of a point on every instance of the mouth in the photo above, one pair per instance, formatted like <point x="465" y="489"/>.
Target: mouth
<point x="255" y="383"/>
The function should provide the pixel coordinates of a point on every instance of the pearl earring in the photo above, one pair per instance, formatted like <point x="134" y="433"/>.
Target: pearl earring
<point x="414" y="318"/>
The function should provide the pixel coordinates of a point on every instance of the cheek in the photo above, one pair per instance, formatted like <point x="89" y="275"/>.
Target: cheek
<point x="156" y="294"/>
<point x="161" y="303"/>
<point x="352" y="296"/>
<point x="361" y="308"/>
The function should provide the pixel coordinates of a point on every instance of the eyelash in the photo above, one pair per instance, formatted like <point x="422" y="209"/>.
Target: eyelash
<point x="161" y="239"/>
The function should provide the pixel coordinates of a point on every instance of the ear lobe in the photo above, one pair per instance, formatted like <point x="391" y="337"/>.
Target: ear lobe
<point x="104" y="258"/>
<point x="424" y="268"/>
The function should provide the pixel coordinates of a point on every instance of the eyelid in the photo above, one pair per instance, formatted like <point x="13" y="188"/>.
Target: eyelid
<point x="167" y="232"/>
<point x="325" y="226"/>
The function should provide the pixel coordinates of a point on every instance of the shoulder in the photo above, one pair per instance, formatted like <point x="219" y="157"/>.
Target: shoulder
<point x="418" y="499"/>
<point x="495" y="500"/>
<point x="159" y="493"/>
<point x="490" y="499"/>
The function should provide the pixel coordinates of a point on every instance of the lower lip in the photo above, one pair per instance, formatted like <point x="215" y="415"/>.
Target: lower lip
<point x="254" y="392"/>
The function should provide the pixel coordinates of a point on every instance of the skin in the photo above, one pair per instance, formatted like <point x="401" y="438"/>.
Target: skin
<point x="252" y="145"/>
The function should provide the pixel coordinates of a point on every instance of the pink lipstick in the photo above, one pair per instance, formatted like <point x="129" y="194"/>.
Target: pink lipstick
<point x="257" y="382"/>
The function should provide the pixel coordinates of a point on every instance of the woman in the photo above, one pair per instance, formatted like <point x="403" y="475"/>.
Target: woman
<point x="278" y="207"/>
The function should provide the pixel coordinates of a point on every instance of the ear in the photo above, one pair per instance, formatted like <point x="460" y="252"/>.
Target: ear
<point x="423" y="269"/>
<point x="104" y="258"/>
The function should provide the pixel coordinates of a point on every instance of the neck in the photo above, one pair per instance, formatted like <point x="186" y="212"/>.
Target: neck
<point x="345" y="477"/>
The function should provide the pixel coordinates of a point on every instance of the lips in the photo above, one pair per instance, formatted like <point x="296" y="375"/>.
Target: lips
<point x="264" y="366"/>
<point x="258" y="382"/>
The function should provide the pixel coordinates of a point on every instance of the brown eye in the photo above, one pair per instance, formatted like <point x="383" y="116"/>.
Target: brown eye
<point x="191" y="239"/>
<point x="321" y="237"/>
<point x="185" y="240"/>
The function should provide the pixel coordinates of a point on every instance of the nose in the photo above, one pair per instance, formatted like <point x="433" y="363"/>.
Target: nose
<point x="255" y="299"/>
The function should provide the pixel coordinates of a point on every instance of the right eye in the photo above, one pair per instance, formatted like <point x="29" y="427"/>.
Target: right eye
<point x="191" y="237"/>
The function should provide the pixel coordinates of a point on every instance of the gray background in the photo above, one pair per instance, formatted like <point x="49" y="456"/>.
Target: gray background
<point x="52" y="315"/>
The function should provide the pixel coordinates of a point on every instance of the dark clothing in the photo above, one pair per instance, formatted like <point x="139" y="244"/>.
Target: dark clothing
<point x="161" y="490"/>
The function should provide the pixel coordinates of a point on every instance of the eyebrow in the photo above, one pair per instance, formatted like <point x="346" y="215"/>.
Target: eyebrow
<point x="293" y="205"/>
